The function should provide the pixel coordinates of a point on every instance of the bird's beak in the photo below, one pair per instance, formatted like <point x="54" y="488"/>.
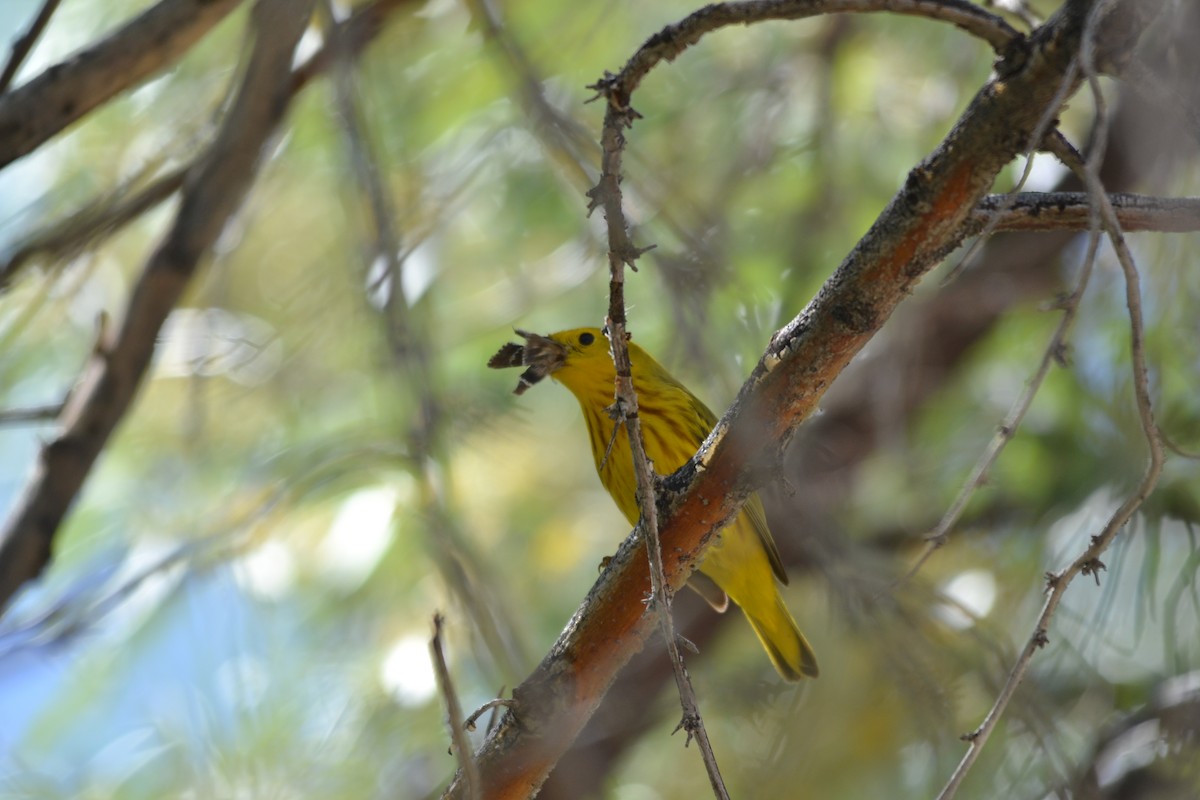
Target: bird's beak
<point x="541" y="356"/>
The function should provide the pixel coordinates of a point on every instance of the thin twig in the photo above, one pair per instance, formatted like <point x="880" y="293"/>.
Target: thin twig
<point x="937" y="538"/>
<point x="1088" y="562"/>
<point x="691" y="722"/>
<point x="100" y="217"/>
<point x="672" y="40"/>
<point x="1070" y="211"/>
<point x="1044" y="126"/>
<point x="1179" y="449"/>
<point x="607" y="195"/>
<point x="462" y="745"/>
<point x="498" y="702"/>
<point x="1054" y="353"/>
<point x="19" y="416"/>
<point x="25" y="42"/>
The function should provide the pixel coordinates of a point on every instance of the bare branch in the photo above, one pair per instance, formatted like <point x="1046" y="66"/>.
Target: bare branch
<point x="98" y="218"/>
<point x="671" y="41"/>
<point x="490" y="705"/>
<point x="454" y="715"/>
<point x="24" y="43"/>
<point x="621" y="252"/>
<point x="19" y="416"/>
<point x="1053" y="354"/>
<point x="212" y="194"/>
<point x="660" y="598"/>
<point x="1068" y="211"/>
<point x="64" y="93"/>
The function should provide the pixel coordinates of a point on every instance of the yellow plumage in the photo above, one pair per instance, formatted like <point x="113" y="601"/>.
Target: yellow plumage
<point x="744" y="562"/>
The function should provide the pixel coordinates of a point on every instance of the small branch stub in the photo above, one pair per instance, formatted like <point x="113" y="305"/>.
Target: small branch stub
<point x="1092" y="567"/>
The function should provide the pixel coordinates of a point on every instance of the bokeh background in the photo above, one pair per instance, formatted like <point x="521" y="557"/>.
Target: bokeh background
<point x="240" y="603"/>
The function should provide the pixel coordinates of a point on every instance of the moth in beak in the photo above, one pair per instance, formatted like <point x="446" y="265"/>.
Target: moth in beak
<point x="540" y="355"/>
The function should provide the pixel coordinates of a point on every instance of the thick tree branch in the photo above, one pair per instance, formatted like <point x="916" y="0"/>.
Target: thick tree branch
<point x="64" y="93"/>
<point x="212" y="194"/>
<point x="923" y="222"/>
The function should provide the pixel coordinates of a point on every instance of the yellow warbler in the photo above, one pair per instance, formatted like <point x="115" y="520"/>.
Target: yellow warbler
<point x="743" y="562"/>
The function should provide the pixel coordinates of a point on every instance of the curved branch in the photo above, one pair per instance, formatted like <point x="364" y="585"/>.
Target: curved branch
<point x="672" y="40"/>
<point x="923" y="221"/>
<point x="212" y="194"/>
<point x="40" y="108"/>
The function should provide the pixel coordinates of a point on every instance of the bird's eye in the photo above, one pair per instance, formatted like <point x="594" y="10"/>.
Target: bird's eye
<point x="586" y="338"/>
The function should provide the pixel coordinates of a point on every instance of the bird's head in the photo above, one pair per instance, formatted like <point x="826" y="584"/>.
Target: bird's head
<point x="567" y="355"/>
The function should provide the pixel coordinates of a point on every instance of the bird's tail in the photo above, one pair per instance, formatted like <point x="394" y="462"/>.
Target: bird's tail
<point x="786" y="646"/>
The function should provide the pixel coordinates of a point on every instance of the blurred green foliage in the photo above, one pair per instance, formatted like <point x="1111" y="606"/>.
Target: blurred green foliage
<point x="240" y="603"/>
